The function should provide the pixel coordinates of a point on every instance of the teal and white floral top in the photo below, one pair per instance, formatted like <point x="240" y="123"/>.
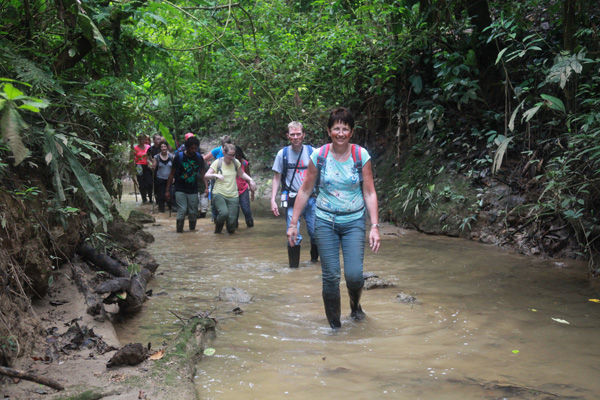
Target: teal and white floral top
<point x="340" y="190"/>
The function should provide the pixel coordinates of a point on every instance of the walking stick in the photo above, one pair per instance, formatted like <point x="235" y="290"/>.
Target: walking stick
<point x="134" y="187"/>
<point x="153" y="179"/>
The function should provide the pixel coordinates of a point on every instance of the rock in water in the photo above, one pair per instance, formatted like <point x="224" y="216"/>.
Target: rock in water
<point x="130" y="354"/>
<point x="377" y="283"/>
<point x="234" y="295"/>
<point x="405" y="298"/>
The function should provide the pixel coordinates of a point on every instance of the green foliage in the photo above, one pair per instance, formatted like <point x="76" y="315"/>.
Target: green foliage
<point x="424" y="78"/>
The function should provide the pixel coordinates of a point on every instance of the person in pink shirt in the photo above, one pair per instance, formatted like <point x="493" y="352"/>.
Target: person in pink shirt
<point x="246" y="194"/>
<point x="142" y="169"/>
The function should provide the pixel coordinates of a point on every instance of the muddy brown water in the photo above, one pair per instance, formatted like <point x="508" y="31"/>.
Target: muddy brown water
<point x="487" y="324"/>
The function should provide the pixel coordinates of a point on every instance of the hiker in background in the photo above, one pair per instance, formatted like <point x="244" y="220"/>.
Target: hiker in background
<point x="291" y="164"/>
<point x="342" y="173"/>
<point x="217" y="152"/>
<point x="187" y="136"/>
<point x="245" y="193"/>
<point x="225" y="195"/>
<point x="188" y="165"/>
<point x="142" y="170"/>
<point x="154" y="148"/>
<point x="214" y="154"/>
<point x="162" y="164"/>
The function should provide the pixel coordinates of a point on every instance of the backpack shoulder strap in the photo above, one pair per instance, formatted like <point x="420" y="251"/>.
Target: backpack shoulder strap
<point x="323" y="152"/>
<point x="285" y="168"/>
<point x="357" y="158"/>
<point x="321" y="158"/>
<point x="219" y="165"/>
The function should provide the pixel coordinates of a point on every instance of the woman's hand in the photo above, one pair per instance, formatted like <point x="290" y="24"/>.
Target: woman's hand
<point x="292" y="234"/>
<point x="219" y="176"/>
<point x="252" y="185"/>
<point x="374" y="240"/>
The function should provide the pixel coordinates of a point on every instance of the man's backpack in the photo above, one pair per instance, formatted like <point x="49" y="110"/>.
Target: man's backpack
<point x="356" y="158"/>
<point x="294" y="167"/>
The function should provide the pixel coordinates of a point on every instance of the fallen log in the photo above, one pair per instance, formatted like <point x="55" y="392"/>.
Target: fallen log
<point x="134" y="285"/>
<point x="114" y="285"/>
<point x="103" y="262"/>
<point x="15" y="373"/>
<point x="136" y="294"/>
<point x="92" y="301"/>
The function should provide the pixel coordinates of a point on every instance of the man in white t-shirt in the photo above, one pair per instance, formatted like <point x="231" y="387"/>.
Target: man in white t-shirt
<point x="291" y="163"/>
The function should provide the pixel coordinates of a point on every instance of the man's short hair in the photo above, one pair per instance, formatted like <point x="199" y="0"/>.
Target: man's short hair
<point x="192" y="141"/>
<point x="296" y="124"/>
<point x="225" y="139"/>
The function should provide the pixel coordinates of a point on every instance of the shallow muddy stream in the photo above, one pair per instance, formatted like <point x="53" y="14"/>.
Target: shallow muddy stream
<point x="486" y="323"/>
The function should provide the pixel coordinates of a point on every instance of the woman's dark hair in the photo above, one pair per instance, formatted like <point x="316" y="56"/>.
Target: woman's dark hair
<point x="163" y="142"/>
<point x="343" y="115"/>
<point x="193" y="140"/>
<point x="239" y="153"/>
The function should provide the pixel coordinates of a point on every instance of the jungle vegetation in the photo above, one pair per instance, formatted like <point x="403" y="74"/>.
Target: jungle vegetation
<point x="487" y="87"/>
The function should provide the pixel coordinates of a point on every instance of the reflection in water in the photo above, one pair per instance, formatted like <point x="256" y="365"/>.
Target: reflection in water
<point x="482" y="325"/>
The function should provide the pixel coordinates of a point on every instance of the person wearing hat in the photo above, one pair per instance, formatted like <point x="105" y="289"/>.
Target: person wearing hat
<point x="187" y="136"/>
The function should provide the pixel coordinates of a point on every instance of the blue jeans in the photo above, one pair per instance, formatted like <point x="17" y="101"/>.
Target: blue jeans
<point x="245" y="206"/>
<point x="351" y="236"/>
<point x="309" y="216"/>
<point x="189" y="203"/>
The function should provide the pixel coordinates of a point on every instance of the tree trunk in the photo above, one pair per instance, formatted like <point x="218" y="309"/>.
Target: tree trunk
<point x="15" y="373"/>
<point x="93" y="301"/>
<point x="103" y="262"/>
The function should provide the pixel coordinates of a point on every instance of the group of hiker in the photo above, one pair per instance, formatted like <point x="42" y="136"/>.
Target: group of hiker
<point x="331" y="187"/>
<point x="181" y="179"/>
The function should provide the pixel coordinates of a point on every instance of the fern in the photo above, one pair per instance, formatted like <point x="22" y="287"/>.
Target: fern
<point x="11" y="125"/>
<point x="27" y="70"/>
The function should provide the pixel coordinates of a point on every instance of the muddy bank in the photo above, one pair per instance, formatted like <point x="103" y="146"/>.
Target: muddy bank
<point x="82" y="369"/>
<point x="73" y="344"/>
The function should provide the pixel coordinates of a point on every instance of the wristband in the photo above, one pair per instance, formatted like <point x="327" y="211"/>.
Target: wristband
<point x="374" y="225"/>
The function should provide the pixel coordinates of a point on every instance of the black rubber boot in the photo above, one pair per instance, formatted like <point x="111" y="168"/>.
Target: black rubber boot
<point x="294" y="256"/>
<point x="333" y="309"/>
<point x="180" y="223"/>
<point x="219" y="227"/>
<point x="250" y="224"/>
<point x="193" y="225"/>
<point x="356" y="312"/>
<point x="314" y="253"/>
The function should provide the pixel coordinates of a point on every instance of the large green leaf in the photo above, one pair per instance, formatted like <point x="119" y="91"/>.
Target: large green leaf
<point x="90" y="183"/>
<point x="554" y="102"/>
<point x="52" y="157"/>
<point x="164" y="131"/>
